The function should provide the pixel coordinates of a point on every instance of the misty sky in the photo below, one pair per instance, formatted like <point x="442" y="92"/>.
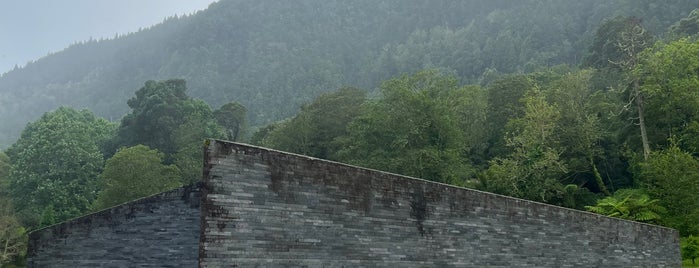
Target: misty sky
<point x="30" y="29"/>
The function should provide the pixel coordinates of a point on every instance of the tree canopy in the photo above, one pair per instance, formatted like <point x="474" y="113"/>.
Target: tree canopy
<point x="134" y="172"/>
<point x="55" y="163"/>
<point x="317" y="128"/>
<point x="156" y="111"/>
<point x="410" y="130"/>
<point x="233" y="118"/>
<point x="672" y="176"/>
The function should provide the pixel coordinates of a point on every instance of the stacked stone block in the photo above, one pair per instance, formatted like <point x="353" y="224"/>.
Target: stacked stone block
<point x="257" y="207"/>
<point x="156" y="231"/>
<point x="267" y="208"/>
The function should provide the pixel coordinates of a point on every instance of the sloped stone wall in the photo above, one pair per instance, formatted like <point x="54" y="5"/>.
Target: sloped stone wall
<point x="157" y="231"/>
<point x="264" y="208"/>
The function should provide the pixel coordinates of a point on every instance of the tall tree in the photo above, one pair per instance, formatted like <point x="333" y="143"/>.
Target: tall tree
<point x="672" y="176"/>
<point x="410" y="130"/>
<point x="132" y="173"/>
<point x="504" y="104"/>
<point x="533" y="169"/>
<point x="617" y="46"/>
<point x="156" y="111"/>
<point x="232" y="116"/>
<point x="617" y="42"/>
<point x="199" y="124"/>
<point x="315" y="130"/>
<point x="669" y="79"/>
<point x="469" y="107"/>
<point x="55" y="165"/>
<point x="580" y="128"/>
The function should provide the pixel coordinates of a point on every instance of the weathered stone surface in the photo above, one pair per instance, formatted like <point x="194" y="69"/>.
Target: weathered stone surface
<point x="263" y="208"/>
<point x="157" y="231"/>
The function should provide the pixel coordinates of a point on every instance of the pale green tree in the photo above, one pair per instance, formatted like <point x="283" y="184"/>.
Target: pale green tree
<point x="132" y="173"/>
<point x="672" y="176"/>
<point x="533" y="169"/>
<point x="55" y="163"/>
<point x="669" y="82"/>
<point x="580" y="128"/>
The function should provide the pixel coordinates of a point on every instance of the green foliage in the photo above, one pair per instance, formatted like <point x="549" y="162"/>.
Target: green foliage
<point x="55" y="165"/>
<point x="13" y="237"/>
<point x="468" y="107"/>
<point x="260" y="136"/>
<point x="533" y="169"/>
<point x="580" y="128"/>
<point x="5" y="167"/>
<point x="548" y="137"/>
<point x="188" y="138"/>
<point x="232" y="116"/>
<point x="672" y="176"/>
<point x="132" y="173"/>
<point x="318" y="126"/>
<point x="411" y="130"/>
<point x="670" y="77"/>
<point x="690" y="248"/>
<point x="616" y="51"/>
<point x="630" y="204"/>
<point x="685" y="27"/>
<point x="156" y="111"/>
<point x="504" y="104"/>
<point x="617" y="41"/>
<point x="577" y="197"/>
<point x="163" y="117"/>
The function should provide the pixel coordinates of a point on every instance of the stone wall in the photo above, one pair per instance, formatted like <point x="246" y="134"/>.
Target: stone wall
<point x="263" y="208"/>
<point x="157" y="231"/>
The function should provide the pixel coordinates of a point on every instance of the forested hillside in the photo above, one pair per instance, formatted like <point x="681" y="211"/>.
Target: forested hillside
<point x="591" y="105"/>
<point x="271" y="56"/>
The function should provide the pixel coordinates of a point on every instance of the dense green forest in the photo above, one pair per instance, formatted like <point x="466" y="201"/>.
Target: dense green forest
<point x="272" y="56"/>
<point x="591" y="105"/>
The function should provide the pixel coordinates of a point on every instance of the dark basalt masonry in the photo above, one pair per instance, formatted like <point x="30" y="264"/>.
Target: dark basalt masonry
<point x="257" y="207"/>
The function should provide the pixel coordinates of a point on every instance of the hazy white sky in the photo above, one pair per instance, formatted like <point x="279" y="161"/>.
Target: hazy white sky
<point x="30" y="29"/>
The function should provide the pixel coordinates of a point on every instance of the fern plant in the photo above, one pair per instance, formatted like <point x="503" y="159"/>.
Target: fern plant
<point x="629" y="204"/>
